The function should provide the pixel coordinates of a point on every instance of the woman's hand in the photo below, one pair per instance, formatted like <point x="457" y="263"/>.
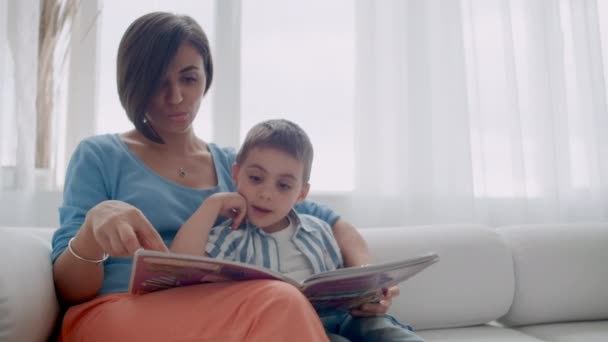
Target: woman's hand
<point x="120" y="229"/>
<point x="232" y="205"/>
<point x="377" y="309"/>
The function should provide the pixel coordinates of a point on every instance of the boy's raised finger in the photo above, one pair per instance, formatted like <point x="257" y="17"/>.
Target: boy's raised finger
<point x="236" y="222"/>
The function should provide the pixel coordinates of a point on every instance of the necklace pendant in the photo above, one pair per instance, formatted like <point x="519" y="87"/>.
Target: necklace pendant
<point x="182" y="172"/>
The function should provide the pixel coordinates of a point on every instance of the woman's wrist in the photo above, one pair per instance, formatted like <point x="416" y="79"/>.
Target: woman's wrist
<point x="85" y="245"/>
<point x="81" y="258"/>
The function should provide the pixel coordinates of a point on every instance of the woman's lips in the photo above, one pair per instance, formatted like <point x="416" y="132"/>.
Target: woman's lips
<point x="178" y="116"/>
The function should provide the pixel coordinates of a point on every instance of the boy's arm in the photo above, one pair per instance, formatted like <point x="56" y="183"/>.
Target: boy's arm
<point x="353" y="246"/>
<point x="193" y="235"/>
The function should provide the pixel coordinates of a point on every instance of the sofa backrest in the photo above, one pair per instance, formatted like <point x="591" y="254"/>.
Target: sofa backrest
<point x="561" y="272"/>
<point x="472" y="284"/>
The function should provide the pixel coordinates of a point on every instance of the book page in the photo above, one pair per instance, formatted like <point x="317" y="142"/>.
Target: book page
<point x="154" y="271"/>
<point x="429" y="259"/>
<point x="350" y="287"/>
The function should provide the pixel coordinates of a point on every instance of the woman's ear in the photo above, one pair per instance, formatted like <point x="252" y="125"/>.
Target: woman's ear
<point x="303" y="193"/>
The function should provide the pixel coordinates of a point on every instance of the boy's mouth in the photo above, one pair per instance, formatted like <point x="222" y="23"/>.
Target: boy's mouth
<point x="260" y="209"/>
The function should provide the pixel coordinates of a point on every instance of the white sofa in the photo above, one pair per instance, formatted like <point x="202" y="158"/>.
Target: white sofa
<point x="509" y="284"/>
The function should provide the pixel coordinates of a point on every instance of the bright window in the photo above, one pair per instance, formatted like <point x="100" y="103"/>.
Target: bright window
<point x="297" y="62"/>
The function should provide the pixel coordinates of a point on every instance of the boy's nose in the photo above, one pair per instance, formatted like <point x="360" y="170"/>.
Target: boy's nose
<point x="265" y="195"/>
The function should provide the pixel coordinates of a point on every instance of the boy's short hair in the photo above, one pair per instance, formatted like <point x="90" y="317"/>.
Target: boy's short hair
<point x="282" y="135"/>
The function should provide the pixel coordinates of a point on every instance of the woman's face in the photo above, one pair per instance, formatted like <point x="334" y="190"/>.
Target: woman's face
<point x="176" y="102"/>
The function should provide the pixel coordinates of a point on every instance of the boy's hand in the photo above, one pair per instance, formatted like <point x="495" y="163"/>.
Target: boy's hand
<point x="380" y="308"/>
<point x="232" y="205"/>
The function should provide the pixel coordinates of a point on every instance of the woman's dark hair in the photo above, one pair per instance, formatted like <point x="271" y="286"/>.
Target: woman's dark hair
<point x="145" y="52"/>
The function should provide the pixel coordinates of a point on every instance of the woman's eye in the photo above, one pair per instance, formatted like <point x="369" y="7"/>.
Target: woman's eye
<point x="162" y="87"/>
<point x="190" y="79"/>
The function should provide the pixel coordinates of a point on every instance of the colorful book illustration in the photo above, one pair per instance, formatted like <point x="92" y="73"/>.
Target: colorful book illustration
<point x="341" y="289"/>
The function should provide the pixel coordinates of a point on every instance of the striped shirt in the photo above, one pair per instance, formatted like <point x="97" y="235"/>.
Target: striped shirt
<point x="249" y="244"/>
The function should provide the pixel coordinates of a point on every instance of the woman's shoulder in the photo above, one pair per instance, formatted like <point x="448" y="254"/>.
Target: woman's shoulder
<point x="102" y="143"/>
<point x="222" y="155"/>
<point x="102" y="150"/>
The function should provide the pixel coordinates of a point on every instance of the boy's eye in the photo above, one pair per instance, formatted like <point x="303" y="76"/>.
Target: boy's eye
<point x="284" y="186"/>
<point x="255" y="179"/>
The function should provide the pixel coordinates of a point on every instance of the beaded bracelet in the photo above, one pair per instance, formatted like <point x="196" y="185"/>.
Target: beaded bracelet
<point x="103" y="258"/>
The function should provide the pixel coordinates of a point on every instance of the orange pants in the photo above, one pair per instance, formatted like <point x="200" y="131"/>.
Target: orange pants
<point x="240" y="311"/>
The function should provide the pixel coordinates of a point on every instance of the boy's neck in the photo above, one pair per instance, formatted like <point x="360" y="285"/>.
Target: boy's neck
<point x="277" y="226"/>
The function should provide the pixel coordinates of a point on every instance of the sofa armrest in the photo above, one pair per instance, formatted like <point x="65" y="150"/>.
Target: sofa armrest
<point x="28" y="305"/>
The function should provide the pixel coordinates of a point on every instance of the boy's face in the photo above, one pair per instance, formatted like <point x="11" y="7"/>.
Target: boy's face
<point x="271" y="182"/>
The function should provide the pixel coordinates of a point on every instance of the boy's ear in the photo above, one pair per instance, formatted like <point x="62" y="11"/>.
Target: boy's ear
<point x="235" y="172"/>
<point x="303" y="193"/>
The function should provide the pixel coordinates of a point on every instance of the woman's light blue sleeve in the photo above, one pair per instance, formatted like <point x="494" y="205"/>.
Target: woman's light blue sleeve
<point x="318" y="210"/>
<point x="84" y="188"/>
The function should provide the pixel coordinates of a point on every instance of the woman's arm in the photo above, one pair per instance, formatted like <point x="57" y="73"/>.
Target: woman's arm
<point x="77" y="280"/>
<point x="94" y="225"/>
<point x="113" y="227"/>
<point x="354" y="248"/>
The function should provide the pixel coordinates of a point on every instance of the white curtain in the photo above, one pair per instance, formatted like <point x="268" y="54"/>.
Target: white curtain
<point x="18" y="80"/>
<point x="488" y="111"/>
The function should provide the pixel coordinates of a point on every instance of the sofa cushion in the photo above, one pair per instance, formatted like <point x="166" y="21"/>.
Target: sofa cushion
<point x="471" y="284"/>
<point x="28" y="306"/>
<point x="596" y="331"/>
<point x="476" y="334"/>
<point x="560" y="273"/>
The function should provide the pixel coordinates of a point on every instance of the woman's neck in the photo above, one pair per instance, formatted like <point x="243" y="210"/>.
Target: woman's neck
<point x="184" y="144"/>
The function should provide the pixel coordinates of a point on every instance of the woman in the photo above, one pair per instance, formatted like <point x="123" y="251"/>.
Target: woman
<point x="135" y="189"/>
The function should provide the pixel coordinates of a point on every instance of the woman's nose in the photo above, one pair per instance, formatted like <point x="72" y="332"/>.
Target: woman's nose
<point x="175" y="94"/>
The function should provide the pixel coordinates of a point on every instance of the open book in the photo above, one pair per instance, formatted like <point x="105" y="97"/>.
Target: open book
<point x="344" y="288"/>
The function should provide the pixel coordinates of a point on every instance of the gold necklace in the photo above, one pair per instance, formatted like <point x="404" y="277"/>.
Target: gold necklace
<point x="182" y="172"/>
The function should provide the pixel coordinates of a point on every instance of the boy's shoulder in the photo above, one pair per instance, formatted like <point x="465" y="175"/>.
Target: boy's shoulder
<point x="310" y="222"/>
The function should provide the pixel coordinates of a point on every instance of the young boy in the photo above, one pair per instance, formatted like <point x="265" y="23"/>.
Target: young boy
<point x="271" y="172"/>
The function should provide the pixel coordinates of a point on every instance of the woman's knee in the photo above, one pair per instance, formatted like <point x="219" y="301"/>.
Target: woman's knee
<point x="281" y="313"/>
<point x="280" y="294"/>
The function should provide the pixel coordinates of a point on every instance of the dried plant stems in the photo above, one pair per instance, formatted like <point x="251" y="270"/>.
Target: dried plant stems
<point x="56" y="19"/>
